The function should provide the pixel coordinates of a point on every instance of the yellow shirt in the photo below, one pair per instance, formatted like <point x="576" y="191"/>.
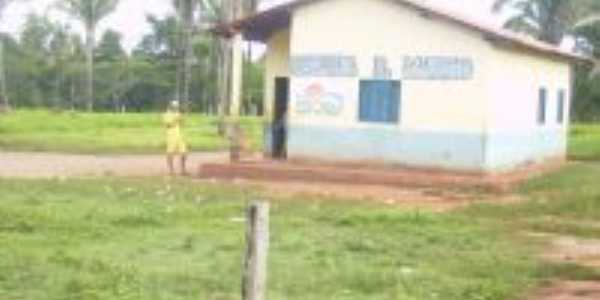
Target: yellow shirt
<point x="173" y="122"/>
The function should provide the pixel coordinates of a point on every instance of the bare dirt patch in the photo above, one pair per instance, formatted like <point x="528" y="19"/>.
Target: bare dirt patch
<point x="569" y="250"/>
<point x="49" y="165"/>
<point x="565" y="249"/>
<point x="569" y="290"/>
<point x="368" y="174"/>
<point x="435" y="199"/>
<point x="52" y="165"/>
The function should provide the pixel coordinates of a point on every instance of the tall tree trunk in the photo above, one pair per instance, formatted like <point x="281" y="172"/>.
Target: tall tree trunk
<point x="179" y="69"/>
<point x="225" y="63"/>
<point x="188" y="55"/>
<point x="5" y="102"/>
<point x="224" y="83"/>
<point x="236" y="62"/>
<point x="72" y="93"/>
<point x="89" y="52"/>
<point x="58" y="92"/>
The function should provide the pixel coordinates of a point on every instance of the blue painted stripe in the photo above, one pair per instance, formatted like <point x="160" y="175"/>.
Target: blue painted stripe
<point x="511" y="149"/>
<point x="448" y="150"/>
<point x="427" y="149"/>
<point x="267" y="139"/>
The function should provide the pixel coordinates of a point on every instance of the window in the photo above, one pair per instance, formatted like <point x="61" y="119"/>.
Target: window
<point x="560" y="110"/>
<point x="541" y="117"/>
<point x="379" y="101"/>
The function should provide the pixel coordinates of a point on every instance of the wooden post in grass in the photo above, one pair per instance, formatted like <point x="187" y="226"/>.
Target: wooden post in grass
<point x="257" y="246"/>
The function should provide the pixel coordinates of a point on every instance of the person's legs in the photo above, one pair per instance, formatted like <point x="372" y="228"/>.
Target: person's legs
<point x="182" y="150"/>
<point x="183" y="159"/>
<point x="170" y="164"/>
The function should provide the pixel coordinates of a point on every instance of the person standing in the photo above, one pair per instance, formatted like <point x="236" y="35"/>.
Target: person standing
<point x="175" y="142"/>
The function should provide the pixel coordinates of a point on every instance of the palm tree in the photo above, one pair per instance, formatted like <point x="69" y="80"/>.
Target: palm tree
<point x="213" y="12"/>
<point x="4" y="101"/>
<point x="89" y="13"/>
<point x="549" y="20"/>
<point x="185" y="15"/>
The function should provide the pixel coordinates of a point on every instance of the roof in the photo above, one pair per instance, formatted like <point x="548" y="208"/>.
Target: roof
<point x="260" y="26"/>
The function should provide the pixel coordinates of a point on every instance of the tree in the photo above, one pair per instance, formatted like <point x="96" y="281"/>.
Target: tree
<point x="37" y="58"/>
<point x="89" y="13"/>
<point x="161" y="42"/>
<point x="586" y="106"/>
<point x="549" y="20"/>
<point x="156" y="56"/>
<point x="110" y="48"/>
<point x="114" y="78"/>
<point x="4" y="101"/>
<point x="185" y="16"/>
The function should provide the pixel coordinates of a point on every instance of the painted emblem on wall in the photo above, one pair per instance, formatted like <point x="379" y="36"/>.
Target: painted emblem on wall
<point x="315" y="99"/>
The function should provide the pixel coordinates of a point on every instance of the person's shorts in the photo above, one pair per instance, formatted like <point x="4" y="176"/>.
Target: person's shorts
<point x="176" y="145"/>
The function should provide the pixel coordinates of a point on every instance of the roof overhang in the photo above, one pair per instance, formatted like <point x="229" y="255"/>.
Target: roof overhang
<point x="260" y="26"/>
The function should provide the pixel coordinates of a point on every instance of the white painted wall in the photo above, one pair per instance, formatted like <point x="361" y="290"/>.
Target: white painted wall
<point x="513" y="87"/>
<point x="498" y="103"/>
<point x="276" y="62"/>
<point x="366" y="28"/>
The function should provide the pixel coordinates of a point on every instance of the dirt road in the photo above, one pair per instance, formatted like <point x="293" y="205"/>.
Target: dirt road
<point x="51" y="165"/>
<point x="48" y="165"/>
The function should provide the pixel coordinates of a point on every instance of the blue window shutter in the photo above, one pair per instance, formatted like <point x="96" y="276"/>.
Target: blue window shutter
<point x="542" y="106"/>
<point x="560" y="111"/>
<point x="379" y="101"/>
<point x="362" y="108"/>
<point x="395" y="101"/>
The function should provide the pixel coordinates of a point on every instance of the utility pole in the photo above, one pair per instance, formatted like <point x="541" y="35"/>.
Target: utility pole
<point x="235" y="54"/>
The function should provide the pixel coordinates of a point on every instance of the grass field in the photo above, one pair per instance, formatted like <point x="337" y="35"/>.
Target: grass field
<point x="108" y="133"/>
<point x="155" y="239"/>
<point x="143" y="133"/>
<point x="584" y="142"/>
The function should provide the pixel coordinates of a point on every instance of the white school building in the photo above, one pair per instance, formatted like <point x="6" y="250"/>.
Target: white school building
<point x="398" y="82"/>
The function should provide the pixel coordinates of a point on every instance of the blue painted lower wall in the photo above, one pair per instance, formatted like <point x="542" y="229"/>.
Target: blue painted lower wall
<point x="448" y="150"/>
<point x="511" y="149"/>
<point x="426" y="149"/>
<point x="267" y="139"/>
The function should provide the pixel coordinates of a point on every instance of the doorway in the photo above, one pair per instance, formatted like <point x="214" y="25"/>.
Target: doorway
<point x="279" y="129"/>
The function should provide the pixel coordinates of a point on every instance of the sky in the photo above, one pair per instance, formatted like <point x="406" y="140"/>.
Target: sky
<point x="130" y="16"/>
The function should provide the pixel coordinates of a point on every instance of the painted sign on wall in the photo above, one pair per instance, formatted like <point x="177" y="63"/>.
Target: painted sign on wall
<point x="323" y="66"/>
<point x="437" y="68"/>
<point x="315" y="98"/>
<point x="381" y="69"/>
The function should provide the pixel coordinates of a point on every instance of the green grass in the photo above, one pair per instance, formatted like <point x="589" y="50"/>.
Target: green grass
<point x="565" y="202"/>
<point x="584" y="142"/>
<point x="108" y="133"/>
<point x="39" y="130"/>
<point x="161" y="239"/>
<point x="134" y="239"/>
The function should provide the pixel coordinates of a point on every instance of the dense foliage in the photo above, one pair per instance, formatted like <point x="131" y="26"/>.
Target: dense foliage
<point x="46" y="67"/>
<point x="555" y="21"/>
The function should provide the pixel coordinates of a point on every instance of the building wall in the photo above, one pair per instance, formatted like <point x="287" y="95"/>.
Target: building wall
<point x="514" y="135"/>
<point x="442" y="123"/>
<point x="276" y="62"/>
<point x="484" y="123"/>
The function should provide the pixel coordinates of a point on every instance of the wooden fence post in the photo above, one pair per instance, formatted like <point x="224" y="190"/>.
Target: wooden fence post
<point x="257" y="246"/>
